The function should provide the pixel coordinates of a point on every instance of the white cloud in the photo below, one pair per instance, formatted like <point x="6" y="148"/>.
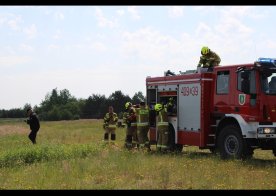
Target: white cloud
<point x="205" y="9"/>
<point x="231" y="33"/>
<point x="133" y="10"/>
<point x="11" y="20"/>
<point x="57" y="35"/>
<point x="202" y="29"/>
<point x="31" y="31"/>
<point x="26" y="47"/>
<point x="271" y="44"/>
<point x="120" y="12"/>
<point x="233" y="11"/>
<point x="243" y="11"/>
<point x="176" y="11"/>
<point x="59" y="16"/>
<point x="98" y="46"/>
<point x="153" y="49"/>
<point x="8" y="50"/>
<point x="3" y="19"/>
<point x="231" y="25"/>
<point x="13" y="60"/>
<point x="103" y="21"/>
<point x="13" y="24"/>
<point x="144" y="43"/>
<point x="53" y="47"/>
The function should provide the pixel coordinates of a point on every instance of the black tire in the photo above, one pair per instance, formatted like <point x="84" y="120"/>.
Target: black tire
<point x="231" y="144"/>
<point x="274" y="151"/>
<point x="172" y="145"/>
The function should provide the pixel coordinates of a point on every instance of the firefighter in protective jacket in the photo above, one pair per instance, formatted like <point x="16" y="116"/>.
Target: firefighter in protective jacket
<point x="110" y="121"/>
<point x="162" y="127"/>
<point x="208" y="59"/>
<point x="142" y="114"/>
<point x="129" y="118"/>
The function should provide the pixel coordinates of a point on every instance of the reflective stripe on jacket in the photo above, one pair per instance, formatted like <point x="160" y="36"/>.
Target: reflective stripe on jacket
<point x="162" y="118"/>
<point x="142" y="117"/>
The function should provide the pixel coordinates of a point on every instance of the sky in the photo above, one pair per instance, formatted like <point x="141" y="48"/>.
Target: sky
<point x="101" y="49"/>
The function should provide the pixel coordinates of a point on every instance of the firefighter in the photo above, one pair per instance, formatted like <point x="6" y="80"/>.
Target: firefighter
<point x="162" y="128"/>
<point x="129" y="118"/>
<point x="110" y="120"/>
<point x="208" y="59"/>
<point x="170" y="106"/>
<point x="142" y="114"/>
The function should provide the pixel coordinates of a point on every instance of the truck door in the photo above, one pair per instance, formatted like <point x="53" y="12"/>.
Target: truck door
<point x="189" y="107"/>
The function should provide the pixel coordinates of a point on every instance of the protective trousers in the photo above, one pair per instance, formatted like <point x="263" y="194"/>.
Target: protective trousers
<point x="110" y="131"/>
<point x="163" y="138"/>
<point x="142" y="132"/>
<point x="131" y="137"/>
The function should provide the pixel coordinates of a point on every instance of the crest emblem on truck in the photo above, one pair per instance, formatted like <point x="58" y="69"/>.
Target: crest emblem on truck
<point x="242" y="99"/>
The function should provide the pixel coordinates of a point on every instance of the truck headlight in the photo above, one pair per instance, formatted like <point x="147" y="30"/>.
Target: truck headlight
<point x="266" y="130"/>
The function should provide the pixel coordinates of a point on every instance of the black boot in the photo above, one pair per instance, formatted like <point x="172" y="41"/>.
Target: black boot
<point x="106" y="137"/>
<point x="113" y="136"/>
<point x="128" y="142"/>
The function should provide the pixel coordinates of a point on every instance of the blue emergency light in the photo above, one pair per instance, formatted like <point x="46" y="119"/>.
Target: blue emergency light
<point x="266" y="62"/>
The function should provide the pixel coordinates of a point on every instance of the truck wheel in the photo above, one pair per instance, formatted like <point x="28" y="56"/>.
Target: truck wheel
<point x="173" y="146"/>
<point x="231" y="143"/>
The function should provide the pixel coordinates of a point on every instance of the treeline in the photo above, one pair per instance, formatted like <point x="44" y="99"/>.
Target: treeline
<point x="61" y="105"/>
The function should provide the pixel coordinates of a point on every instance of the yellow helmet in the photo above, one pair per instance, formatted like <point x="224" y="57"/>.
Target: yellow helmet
<point x="158" y="107"/>
<point x="205" y="50"/>
<point x="128" y="104"/>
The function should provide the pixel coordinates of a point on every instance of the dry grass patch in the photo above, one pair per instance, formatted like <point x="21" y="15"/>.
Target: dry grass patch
<point x="13" y="129"/>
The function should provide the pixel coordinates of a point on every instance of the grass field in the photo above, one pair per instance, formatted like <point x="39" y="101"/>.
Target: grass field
<point x="72" y="155"/>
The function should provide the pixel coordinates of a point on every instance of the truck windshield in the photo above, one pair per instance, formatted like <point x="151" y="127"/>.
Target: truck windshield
<point x="268" y="81"/>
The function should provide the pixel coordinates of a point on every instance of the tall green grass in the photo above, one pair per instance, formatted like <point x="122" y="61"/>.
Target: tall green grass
<point x="28" y="155"/>
<point x="72" y="155"/>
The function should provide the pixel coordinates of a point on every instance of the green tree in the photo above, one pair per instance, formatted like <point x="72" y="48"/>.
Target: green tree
<point x="117" y="100"/>
<point x="94" y="106"/>
<point x="138" y="97"/>
<point x="59" y="105"/>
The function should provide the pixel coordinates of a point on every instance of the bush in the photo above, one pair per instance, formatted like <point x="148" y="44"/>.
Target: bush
<point x="46" y="153"/>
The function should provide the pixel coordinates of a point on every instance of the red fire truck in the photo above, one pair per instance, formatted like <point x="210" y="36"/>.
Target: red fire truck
<point x="231" y="110"/>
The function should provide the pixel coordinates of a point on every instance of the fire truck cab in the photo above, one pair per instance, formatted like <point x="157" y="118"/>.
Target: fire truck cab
<point x="231" y="110"/>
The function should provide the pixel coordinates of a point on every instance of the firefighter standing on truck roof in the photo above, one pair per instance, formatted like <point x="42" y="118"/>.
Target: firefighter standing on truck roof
<point x="162" y="128"/>
<point x="208" y="59"/>
<point x="142" y="114"/>
<point x="110" y="120"/>
<point x="129" y="118"/>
